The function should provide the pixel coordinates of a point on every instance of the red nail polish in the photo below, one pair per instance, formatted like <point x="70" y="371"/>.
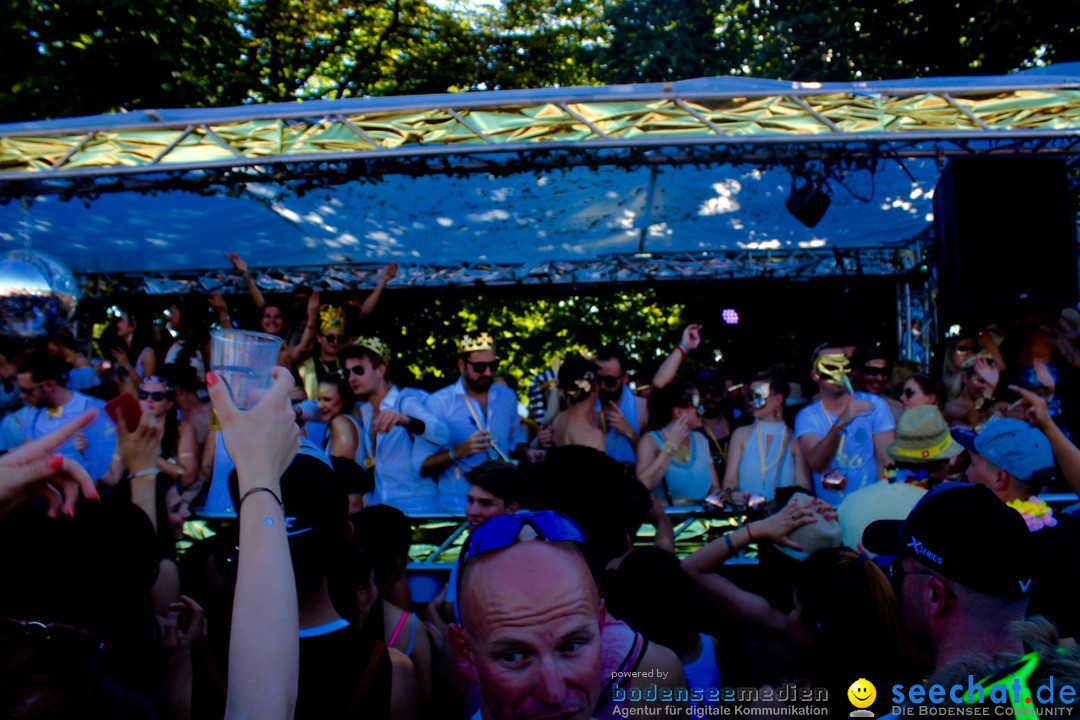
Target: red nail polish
<point x="211" y="379"/>
<point x="56" y="462"/>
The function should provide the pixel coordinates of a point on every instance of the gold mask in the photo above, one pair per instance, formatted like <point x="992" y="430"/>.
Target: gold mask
<point x="834" y="368"/>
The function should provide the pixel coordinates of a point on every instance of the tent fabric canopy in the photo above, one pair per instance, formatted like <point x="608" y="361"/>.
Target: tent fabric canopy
<point x="521" y="179"/>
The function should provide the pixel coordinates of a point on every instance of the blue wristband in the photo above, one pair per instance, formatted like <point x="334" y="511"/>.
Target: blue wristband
<point x="451" y="453"/>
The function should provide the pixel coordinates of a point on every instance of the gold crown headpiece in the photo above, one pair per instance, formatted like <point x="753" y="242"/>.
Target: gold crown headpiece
<point x="332" y="319"/>
<point x="376" y="346"/>
<point x="470" y="344"/>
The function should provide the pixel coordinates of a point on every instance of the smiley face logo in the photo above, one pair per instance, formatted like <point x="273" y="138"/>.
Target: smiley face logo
<point x="862" y="694"/>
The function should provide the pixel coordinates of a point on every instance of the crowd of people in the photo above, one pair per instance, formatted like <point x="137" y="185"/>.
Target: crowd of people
<point x="895" y="509"/>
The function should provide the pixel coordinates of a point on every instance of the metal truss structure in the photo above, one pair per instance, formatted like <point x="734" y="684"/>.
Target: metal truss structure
<point x="697" y="121"/>
<point x="916" y="319"/>
<point x="805" y="264"/>
<point x="700" y="122"/>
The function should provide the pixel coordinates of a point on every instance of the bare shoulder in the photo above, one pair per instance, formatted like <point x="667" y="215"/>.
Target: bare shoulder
<point x="740" y="434"/>
<point x="665" y="663"/>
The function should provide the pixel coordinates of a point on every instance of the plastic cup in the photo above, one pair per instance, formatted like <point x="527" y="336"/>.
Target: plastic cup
<point x="245" y="362"/>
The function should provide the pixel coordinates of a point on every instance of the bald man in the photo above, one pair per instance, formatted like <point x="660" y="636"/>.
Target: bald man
<point x="531" y="631"/>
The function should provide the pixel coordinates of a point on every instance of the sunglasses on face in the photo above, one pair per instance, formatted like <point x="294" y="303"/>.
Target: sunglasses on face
<point x="712" y="392"/>
<point x="336" y="339"/>
<point x="482" y="367"/>
<point x="610" y="381"/>
<point x="874" y="371"/>
<point x="963" y="349"/>
<point x="357" y="370"/>
<point x="155" y="396"/>
<point x="694" y="401"/>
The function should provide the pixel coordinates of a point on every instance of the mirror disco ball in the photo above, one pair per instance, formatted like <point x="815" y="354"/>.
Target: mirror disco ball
<point x="37" y="294"/>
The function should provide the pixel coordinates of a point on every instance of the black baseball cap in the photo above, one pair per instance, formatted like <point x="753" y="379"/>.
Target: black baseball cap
<point x="964" y="533"/>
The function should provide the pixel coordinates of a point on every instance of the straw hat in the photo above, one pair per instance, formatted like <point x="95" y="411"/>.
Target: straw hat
<point x="923" y="437"/>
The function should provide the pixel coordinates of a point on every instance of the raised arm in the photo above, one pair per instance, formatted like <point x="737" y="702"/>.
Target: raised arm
<point x="292" y="354"/>
<point x="691" y="338"/>
<point x="389" y="273"/>
<point x="264" y="650"/>
<point x="253" y="290"/>
<point x="222" y="309"/>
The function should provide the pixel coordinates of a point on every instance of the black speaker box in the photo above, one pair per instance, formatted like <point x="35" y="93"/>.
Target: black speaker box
<point x="1006" y="234"/>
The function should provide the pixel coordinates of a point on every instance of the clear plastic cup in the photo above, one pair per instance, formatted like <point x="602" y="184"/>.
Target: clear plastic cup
<point x="245" y="362"/>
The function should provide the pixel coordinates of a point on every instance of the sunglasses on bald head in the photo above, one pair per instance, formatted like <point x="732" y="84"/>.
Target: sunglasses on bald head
<point x="502" y="531"/>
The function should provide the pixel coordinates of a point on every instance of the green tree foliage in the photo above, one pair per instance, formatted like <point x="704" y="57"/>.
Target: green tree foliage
<point x="537" y="43"/>
<point x="837" y="40"/>
<point x="659" y="40"/>
<point x="531" y="331"/>
<point x="314" y="49"/>
<point x="77" y="57"/>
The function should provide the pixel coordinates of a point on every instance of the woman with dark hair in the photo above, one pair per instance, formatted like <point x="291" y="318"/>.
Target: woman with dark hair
<point x="335" y="402"/>
<point x="383" y="534"/>
<point x="673" y="461"/>
<point x="190" y="326"/>
<point x="178" y="453"/>
<point x="846" y="622"/>
<point x="920" y="389"/>
<point x="650" y="592"/>
<point x="134" y="356"/>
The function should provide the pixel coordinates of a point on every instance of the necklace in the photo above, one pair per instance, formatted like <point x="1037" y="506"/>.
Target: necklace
<point x="761" y="452"/>
<point x="721" y="450"/>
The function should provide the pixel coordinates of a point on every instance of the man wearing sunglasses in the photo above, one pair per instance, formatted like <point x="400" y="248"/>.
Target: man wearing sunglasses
<point x="870" y="374"/>
<point x="390" y="421"/>
<point x="49" y="406"/>
<point x="482" y="419"/>
<point x="530" y="630"/>
<point x="962" y="571"/>
<point x="622" y="414"/>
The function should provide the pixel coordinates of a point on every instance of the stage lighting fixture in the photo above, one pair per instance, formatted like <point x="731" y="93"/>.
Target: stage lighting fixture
<point x="730" y="316"/>
<point x="808" y="201"/>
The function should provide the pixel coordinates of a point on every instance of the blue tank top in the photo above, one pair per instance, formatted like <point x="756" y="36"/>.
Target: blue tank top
<point x="703" y="672"/>
<point x="688" y="480"/>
